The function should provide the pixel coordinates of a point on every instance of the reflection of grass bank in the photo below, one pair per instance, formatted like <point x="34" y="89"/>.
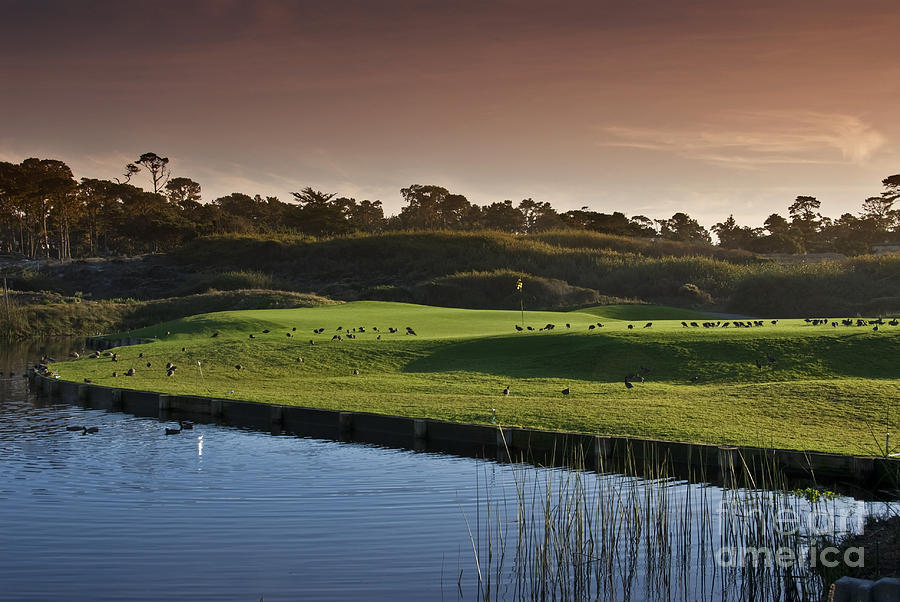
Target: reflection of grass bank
<point x="881" y="540"/>
<point x="823" y="388"/>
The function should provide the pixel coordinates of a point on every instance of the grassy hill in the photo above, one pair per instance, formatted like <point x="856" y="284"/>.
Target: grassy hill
<point x="478" y="270"/>
<point x="566" y="268"/>
<point x="816" y="387"/>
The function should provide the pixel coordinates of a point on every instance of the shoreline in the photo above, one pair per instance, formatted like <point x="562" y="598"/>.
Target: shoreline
<point x="691" y="461"/>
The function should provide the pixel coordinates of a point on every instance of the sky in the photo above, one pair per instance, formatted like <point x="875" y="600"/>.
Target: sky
<point x="646" y="107"/>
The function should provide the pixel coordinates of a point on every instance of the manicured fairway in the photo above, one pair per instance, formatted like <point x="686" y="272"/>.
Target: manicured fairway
<point x="816" y="387"/>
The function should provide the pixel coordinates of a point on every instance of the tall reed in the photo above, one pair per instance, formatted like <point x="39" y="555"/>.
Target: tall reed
<point x="583" y="532"/>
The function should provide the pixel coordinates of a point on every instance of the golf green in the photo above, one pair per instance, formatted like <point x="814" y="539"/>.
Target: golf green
<point x="789" y="384"/>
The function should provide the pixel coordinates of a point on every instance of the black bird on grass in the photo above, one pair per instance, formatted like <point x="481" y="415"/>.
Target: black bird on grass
<point x="519" y="328"/>
<point x="506" y="390"/>
<point x="565" y="391"/>
<point x="695" y="378"/>
<point x="628" y="384"/>
<point x="266" y="331"/>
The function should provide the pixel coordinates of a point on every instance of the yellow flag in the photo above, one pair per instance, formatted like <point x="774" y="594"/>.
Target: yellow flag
<point x="519" y="284"/>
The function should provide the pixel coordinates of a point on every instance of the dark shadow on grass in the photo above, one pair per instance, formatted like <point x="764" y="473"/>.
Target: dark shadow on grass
<point x="610" y="358"/>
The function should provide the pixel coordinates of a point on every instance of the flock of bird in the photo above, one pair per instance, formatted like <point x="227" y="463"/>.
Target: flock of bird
<point x="858" y="322"/>
<point x="637" y="376"/>
<point x="735" y="323"/>
<point x="183" y="425"/>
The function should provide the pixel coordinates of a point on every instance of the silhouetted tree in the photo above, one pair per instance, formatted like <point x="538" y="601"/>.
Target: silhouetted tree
<point x="806" y="221"/>
<point x="891" y="187"/>
<point x="367" y="216"/>
<point x="183" y="192"/>
<point x="321" y="214"/>
<point x="733" y="236"/>
<point x="423" y="209"/>
<point x="775" y="224"/>
<point x="539" y="216"/>
<point x="156" y="165"/>
<point x="503" y="217"/>
<point x="642" y="225"/>
<point x="850" y="235"/>
<point x="879" y="211"/>
<point x="684" y="228"/>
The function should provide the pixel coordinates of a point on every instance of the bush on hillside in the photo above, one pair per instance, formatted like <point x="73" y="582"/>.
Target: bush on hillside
<point x="491" y="290"/>
<point x="232" y="280"/>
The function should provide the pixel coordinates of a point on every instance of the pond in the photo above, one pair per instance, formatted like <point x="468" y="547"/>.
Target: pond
<point x="220" y="513"/>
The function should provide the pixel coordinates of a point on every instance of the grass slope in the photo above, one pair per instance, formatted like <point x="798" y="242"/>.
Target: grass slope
<point x="828" y="388"/>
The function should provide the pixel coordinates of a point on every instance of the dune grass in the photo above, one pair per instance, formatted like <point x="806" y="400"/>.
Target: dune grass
<point x="827" y="389"/>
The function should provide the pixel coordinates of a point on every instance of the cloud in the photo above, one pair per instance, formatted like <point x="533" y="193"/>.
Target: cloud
<point x="754" y="139"/>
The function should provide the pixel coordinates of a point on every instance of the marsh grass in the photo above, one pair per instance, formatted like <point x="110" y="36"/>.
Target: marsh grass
<point x="582" y="533"/>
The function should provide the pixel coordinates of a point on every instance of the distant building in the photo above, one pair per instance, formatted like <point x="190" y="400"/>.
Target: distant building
<point x="885" y="247"/>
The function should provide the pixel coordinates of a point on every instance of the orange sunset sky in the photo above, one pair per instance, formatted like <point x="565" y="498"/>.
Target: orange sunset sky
<point x="645" y="107"/>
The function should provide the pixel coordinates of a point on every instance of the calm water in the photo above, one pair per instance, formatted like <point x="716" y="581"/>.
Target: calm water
<point x="220" y="513"/>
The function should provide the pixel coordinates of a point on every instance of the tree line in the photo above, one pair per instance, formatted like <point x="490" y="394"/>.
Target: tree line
<point x="45" y="212"/>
